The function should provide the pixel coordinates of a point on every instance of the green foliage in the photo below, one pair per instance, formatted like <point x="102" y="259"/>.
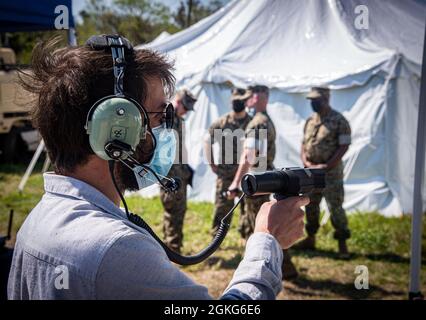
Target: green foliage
<point x="372" y="233"/>
<point x="24" y="42"/>
<point x="131" y="18"/>
<point x="192" y="11"/>
<point x="140" y="21"/>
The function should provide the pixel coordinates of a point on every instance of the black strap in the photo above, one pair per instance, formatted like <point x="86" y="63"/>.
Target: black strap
<point x="118" y="45"/>
<point x="119" y="63"/>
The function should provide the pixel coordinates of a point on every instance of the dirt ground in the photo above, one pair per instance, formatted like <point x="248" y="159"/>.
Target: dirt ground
<point x="323" y="276"/>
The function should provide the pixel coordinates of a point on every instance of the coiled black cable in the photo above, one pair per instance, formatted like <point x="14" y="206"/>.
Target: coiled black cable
<point x="174" y="256"/>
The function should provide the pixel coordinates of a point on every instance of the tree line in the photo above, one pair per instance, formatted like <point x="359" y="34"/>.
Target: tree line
<point x="141" y="21"/>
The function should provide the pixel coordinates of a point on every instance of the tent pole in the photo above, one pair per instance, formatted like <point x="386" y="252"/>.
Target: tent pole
<point x="31" y="166"/>
<point x="416" y="226"/>
<point x="72" y="40"/>
<point x="46" y="164"/>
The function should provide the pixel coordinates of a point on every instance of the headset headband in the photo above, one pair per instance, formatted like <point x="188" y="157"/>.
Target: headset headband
<point x="119" y="63"/>
<point x="117" y="45"/>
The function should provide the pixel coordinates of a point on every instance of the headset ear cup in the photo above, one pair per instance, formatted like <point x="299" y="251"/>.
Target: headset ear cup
<point x="115" y="119"/>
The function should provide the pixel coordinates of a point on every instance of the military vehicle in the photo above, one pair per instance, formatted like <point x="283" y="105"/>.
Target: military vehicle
<point x="16" y="133"/>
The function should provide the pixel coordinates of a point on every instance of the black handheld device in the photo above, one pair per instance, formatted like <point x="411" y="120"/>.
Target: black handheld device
<point x="284" y="183"/>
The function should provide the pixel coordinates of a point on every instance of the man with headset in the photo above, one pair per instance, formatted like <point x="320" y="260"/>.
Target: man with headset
<point x="105" y="126"/>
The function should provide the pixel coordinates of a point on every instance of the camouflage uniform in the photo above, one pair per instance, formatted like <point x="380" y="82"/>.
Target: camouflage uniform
<point x="175" y="203"/>
<point x="322" y="137"/>
<point x="265" y="154"/>
<point x="226" y="169"/>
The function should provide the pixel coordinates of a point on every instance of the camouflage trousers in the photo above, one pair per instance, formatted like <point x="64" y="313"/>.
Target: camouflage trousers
<point x="174" y="213"/>
<point x="249" y="213"/>
<point x="334" y="196"/>
<point x="222" y="204"/>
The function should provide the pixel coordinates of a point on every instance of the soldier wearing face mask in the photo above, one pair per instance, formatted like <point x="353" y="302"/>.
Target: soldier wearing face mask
<point x="228" y="132"/>
<point x="258" y="155"/>
<point x="175" y="203"/>
<point x="327" y="136"/>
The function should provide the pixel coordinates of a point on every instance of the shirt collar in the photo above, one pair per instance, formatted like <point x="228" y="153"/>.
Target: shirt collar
<point x="71" y="187"/>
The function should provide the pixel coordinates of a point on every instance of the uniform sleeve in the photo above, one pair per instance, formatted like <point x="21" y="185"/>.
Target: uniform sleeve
<point x="304" y="130"/>
<point x="344" y="133"/>
<point x="209" y="137"/>
<point x="256" y="135"/>
<point x="250" y="138"/>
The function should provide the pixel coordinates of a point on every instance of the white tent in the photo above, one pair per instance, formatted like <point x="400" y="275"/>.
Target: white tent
<point x="369" y="52"/>
<point x="160" y="38"/>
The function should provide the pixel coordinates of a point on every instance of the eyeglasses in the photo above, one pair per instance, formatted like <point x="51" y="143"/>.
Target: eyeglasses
<point x="168" y="115"/>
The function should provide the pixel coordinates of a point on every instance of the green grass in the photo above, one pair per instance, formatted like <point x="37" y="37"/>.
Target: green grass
<point x="382" y="244"/>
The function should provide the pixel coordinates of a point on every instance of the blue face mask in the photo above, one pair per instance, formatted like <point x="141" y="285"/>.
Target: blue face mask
<point x="162" y="159"/>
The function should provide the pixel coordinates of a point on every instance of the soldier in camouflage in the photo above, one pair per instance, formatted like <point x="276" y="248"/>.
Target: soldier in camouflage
<point x="175" y="203"/>
<point x="327" y="136"/>
<point x="258" y="156"/>
<point x="228" y="133"/>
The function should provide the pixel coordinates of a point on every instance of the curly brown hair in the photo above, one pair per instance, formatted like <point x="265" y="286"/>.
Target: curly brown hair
<point x="66" y="82"/>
